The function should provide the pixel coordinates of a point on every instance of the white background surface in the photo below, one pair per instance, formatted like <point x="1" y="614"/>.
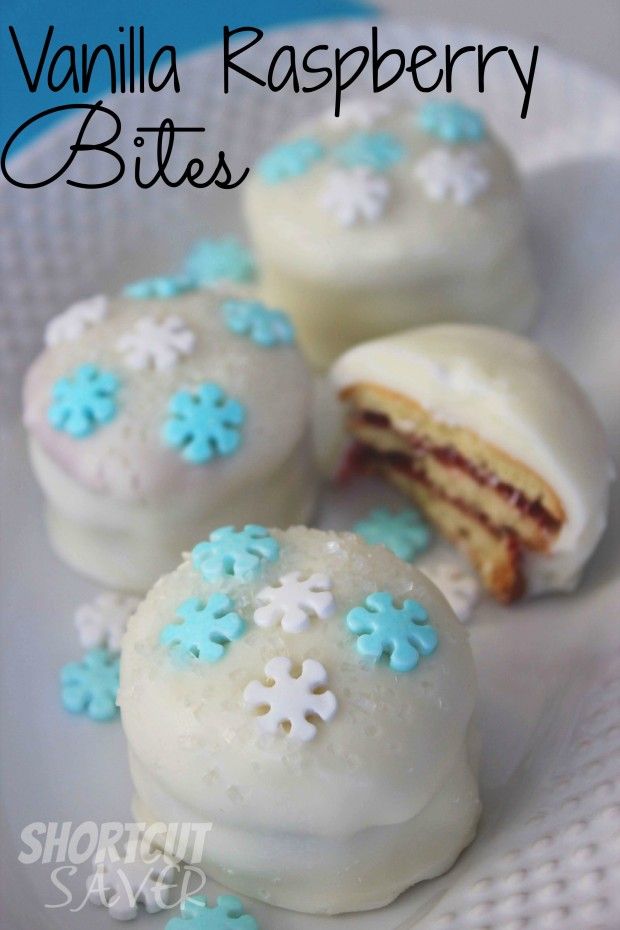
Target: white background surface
<point x="586" y="30"/>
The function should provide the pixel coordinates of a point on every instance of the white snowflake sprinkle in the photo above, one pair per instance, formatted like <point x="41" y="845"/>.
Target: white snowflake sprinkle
<point x="354" y="195"/>
<point x="73" y="323"/>
<point x="290" y="701"/>
<point x="155" y="344"/>
<point x="458" y="586"/>
<point x="103" y="621"/>
<point x="294" y="602"/>
<point x="358" y="114"/>
<point x="457" y="176"/>
<point x="121" y="881"/>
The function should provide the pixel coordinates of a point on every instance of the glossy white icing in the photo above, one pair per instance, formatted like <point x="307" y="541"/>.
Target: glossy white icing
<point x="382" y="796"/>
<point x="514" y="395"/>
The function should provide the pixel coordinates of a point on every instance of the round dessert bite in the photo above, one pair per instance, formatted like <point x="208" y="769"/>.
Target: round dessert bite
<point x="384" y="218"/>
<point x="311" y="697"/>
<point x="156" y="416"/>
<point x="493" y="439"/>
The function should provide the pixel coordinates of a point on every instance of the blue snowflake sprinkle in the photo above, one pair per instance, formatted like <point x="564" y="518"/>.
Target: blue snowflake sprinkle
<point x="232" y="552"/>
<point x="451" y="122"/>
<point x="84" y="402"/>
<point x="404" y="533"/>
<point x="228" y="914"/>
<point x="160" y="287"/>
<point x="263" y="326"/>
<point x="376" y="150"/>
<point x="402" y="633"/>
<point x="290" y="160"/>
<point x="206" y="628"/>
<point x="204" y="423"/>
<point x="213" y="260"/>
<point x="90" y="686"/>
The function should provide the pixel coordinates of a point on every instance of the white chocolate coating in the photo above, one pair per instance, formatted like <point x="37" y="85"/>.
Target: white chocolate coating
<point x="434" y="250"/>
<point x="514" y="395"/>
<point x="122" y="505"/>
<point x="383" y="796"/>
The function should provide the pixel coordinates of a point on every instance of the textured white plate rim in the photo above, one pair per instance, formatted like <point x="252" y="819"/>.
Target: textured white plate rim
<point x="553" y="794"/>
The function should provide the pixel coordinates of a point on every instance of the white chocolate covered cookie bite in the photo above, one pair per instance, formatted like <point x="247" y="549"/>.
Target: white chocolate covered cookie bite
<point x="386" y="218"/>
<point x="493" y="439"/>
<point x="156" y="416"/>
<point x="311" y="697"/>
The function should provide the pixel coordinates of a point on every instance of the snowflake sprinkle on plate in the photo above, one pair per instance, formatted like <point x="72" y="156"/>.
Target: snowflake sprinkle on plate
<point x="294" y="601"/>
<point x="403" y="634"/>
<point x="103" y="621"/>
<point x="459" y="587"/>
<point x="405" y="533"/>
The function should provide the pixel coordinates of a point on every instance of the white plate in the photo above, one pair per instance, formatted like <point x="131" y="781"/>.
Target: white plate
<point x="548" y="850"/>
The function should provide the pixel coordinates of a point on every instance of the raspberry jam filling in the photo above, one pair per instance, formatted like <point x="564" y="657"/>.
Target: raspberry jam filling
<point x="450" y="457"/>
<point x="362" y="459"/>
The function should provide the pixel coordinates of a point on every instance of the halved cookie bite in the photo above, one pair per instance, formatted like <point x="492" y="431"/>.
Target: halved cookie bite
<point x="493" y="439"/>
